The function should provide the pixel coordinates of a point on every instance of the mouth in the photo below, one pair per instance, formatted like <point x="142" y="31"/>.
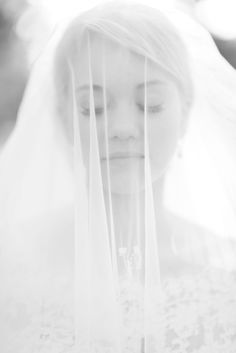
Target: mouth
<point x="124" y="155"/>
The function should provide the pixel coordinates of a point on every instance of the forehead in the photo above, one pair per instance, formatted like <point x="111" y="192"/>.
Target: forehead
<point x="122" y="66"/>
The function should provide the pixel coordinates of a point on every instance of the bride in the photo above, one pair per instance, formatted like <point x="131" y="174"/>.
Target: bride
<point x="117" y="191"/>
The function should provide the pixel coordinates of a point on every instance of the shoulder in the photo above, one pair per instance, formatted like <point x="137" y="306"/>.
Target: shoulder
<point x="200" y="246"/>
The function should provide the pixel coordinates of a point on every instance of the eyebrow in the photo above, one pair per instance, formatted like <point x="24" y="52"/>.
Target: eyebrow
<point x="139" y="86"/>
<point x="87" y="87"/>
<point x="149" y="83"/>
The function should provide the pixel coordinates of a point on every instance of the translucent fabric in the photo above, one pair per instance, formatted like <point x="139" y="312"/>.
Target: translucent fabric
<point x="113" y="238"/>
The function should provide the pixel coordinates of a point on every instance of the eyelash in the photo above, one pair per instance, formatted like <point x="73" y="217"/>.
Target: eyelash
<point x="98" y="111"/>
<point x="151" y="109"/>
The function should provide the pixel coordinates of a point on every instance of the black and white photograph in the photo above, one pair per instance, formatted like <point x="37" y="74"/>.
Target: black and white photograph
<point x="117" y="176"/>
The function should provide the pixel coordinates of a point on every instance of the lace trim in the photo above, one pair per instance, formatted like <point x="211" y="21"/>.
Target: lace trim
<point x="199" y="316"/>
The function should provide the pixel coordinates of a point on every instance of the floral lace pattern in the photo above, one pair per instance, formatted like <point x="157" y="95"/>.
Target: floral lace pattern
<point x="199" y="316"/>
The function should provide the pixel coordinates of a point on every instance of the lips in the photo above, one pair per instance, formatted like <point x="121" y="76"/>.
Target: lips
<point x="124" y="155"/>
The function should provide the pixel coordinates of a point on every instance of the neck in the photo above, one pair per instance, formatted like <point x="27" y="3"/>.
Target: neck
<point x="129" y="210"/>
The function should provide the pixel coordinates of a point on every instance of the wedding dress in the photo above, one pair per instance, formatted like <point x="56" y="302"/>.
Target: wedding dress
<point x="199" y="304"/>
<point x="84" y="267"/>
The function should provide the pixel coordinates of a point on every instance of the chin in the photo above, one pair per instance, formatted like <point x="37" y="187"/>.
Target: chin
<point x="124" y="179"/>
<point x="128" y="179"/>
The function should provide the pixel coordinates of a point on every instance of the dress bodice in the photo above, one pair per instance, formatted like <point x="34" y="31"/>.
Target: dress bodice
<point x="198" y="307"/>
<point x="199" y="316"/>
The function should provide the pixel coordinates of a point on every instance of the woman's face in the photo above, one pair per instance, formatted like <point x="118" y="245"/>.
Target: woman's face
<point x="125" y="101"/>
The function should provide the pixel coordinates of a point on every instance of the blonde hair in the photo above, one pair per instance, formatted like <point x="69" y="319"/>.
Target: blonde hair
<point x="140" y="28"/>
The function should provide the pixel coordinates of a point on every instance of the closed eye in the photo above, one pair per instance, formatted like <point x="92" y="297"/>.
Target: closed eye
<point x="151" y="108"/>
<point x="98" y="111"/>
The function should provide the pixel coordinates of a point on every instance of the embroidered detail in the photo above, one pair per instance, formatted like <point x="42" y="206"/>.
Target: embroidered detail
<point x="199" y="317"/>
<point x="132" y="260"/>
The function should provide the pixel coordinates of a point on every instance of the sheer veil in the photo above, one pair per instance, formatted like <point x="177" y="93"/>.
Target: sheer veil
<point x="103" y="255"/>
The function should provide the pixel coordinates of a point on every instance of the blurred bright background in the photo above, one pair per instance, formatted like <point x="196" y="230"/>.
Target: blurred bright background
<point x="25" y="26"/>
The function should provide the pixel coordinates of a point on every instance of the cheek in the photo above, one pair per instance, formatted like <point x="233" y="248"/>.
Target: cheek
<point x="85" y="138"/>
<point x="163" y="142"/>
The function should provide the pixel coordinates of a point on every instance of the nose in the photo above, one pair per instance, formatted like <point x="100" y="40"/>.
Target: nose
<point x="123" y="123"/>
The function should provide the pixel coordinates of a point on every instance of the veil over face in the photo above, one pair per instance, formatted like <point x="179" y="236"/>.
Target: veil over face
<point x="124" y="128"/>
<point x="118" y="190"/>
